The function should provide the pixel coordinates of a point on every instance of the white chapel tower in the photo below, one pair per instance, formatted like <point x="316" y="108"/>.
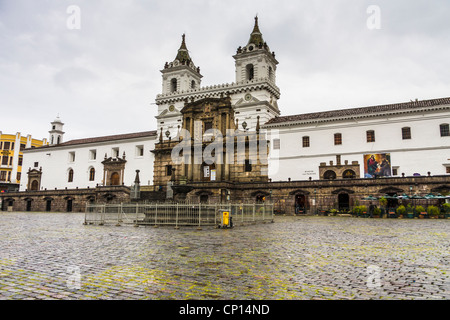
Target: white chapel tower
<point x="56" y="133"/>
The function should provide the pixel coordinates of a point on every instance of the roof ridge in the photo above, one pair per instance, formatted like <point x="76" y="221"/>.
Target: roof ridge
<point x="361" y="110"/>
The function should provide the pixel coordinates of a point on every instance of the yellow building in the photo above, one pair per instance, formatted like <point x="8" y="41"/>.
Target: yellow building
<point x="11" y="156"/>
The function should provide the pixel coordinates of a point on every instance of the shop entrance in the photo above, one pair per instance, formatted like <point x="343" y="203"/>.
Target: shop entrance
<point x="300" y="204"/>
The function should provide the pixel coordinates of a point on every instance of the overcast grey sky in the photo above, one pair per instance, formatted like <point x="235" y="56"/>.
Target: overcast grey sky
<point x="103" y="77"/>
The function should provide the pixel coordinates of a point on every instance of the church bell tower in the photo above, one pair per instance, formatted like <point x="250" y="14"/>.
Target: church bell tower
<point x="56" y="133"/>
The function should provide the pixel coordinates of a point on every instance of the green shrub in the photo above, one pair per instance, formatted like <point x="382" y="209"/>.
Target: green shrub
<point x="401" y="210"/>
<point x="433" y="210"/>
<point x="359" y="209"/>
<point x="376" y="211"/>
<point x="383" y="201"/>
<point x="446" y="207"/>
<point x="420" y="209"/>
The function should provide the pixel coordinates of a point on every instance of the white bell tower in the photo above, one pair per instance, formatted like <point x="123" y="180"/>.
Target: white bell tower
<point x="56" y="132"/>
<point x="256" y="73"/>
<point x="179" y="77"/>
<point x="255" y="61"/>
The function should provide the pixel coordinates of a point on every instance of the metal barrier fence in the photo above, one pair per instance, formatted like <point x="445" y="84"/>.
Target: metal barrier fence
<point x="176" y="214"/>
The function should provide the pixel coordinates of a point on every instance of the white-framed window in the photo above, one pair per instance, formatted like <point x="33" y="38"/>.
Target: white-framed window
<point x="395" y="171"/>
<point x="72" y="156"/>
<point x="139" y="151"/>
<point x="92" y="154"/>
<point x="276" y="144"/>
<point x="115" y="152"/>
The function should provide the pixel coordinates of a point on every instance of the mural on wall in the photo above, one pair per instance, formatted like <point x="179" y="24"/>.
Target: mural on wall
<point x="377" y="165"/>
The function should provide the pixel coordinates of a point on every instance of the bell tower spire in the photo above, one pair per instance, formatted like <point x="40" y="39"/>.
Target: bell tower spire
<point x="255" y="60"/>
<point x="256" y="35"/>
<point x="181" y="74"/>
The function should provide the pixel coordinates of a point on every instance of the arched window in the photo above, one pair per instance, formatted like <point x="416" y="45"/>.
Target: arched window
<point x="329" y="175"/>
<point x="250" y="72"/>
<point x="70" y="179"/>
<point x="192" y="84"/>
<point x="173" y="85"/>
<point x="92" y="174"/>
<point x="34" y="185"/>
<point x="270" y="74"/>
<point x="349" y="174"/>
<point x="58" y="140"/>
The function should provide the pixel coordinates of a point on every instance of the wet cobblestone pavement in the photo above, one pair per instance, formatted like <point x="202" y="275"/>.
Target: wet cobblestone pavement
<point x="55" y="256"/>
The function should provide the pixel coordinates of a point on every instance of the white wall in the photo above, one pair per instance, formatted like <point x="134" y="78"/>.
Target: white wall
<point x="55" y="163"/>
<point x="425" y="151"/>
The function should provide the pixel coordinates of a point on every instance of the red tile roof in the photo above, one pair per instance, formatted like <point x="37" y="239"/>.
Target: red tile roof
<point x="360" y="111"/>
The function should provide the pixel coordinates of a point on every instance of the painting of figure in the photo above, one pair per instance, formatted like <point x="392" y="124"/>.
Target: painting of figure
<point x="377" y="165"/>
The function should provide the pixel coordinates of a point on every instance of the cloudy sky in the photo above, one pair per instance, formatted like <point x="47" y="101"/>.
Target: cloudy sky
<point x="101" y="72"/>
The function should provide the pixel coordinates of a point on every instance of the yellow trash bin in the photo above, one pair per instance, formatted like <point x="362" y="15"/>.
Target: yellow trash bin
<point x="226" y="219"/>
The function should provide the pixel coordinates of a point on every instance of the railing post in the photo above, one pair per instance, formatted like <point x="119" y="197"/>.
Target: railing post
<point x="85" y="213"/>
<point x="119" y="211"/>
<point x="215" y="214"/>
<point x="176" y="217"/>
<point x="137" y="212"/>
<point x="156" y="213"/>
<point x="199" y="216"/>
<point x="102" y="214"/>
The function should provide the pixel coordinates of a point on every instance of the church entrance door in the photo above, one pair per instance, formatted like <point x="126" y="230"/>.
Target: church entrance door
<point x="115" y="179"/>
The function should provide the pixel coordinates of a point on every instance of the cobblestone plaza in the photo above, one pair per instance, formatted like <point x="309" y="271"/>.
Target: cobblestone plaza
<point x="55" y="256"/>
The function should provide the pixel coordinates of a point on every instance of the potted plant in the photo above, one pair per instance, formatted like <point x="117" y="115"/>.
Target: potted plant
<point x="401" y="211"/>
<point x="433" y="212"/>
<point x="376" y="212"/>
<point x="409" y="211"/>
<point x="446" y="207"/>
<point x="421" y="211"/>
<point x="363" y="210"/>
<point x="333" y="212"/>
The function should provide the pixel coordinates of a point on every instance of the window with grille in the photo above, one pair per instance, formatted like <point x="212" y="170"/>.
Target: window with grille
<point x="370" y="136"/>
<point x="445" y="131"/>
<point x="337" y="139"/>
<point x="305" y="142"/>
<point x="406" y="133"/>
<point x="276" y="144"/>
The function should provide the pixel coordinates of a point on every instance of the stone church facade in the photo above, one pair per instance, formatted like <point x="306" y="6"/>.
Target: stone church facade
<point x="229" y="142"/>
